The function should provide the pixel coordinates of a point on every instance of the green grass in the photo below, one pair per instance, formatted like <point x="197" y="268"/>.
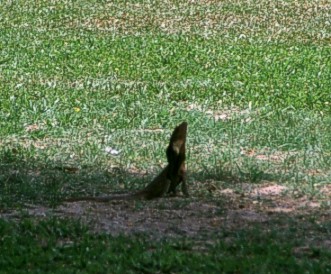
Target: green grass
<point x="252" y="78"/>
<point x="62" y="246"/>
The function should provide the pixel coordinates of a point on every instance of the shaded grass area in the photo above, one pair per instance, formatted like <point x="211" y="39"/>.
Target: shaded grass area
<point x="63" y="246"/>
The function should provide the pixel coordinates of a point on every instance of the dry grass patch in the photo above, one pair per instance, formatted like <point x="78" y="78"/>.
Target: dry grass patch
<point x="272" y="20"/>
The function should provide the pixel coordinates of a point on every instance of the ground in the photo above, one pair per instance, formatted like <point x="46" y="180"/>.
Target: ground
<point x="266" y="206"/>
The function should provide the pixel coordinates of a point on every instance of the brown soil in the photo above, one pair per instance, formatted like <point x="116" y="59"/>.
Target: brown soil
<point x="267" y="206"/>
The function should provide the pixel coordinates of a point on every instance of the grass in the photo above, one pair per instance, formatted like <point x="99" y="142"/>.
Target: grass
<point x="252" y="78"/>
<point x="63" y="246"/>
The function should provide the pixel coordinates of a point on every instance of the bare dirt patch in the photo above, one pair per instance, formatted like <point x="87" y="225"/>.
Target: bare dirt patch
<point x="267" y="206"/>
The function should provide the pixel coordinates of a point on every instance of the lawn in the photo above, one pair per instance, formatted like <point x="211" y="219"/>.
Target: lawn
<point x="90" y="92"/>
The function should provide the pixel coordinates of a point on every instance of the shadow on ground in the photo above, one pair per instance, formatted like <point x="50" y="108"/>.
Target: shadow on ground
<point x="209" y="214"/>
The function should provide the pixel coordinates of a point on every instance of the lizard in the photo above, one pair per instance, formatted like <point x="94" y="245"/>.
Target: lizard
<point x="166" y="182"/>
